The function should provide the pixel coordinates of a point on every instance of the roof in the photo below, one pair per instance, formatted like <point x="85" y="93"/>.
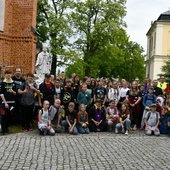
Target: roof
<point x="164" y="16"/>
<point x="167" y="12"/>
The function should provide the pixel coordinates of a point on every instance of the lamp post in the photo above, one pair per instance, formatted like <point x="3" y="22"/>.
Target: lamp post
<point x="132" y="58"/>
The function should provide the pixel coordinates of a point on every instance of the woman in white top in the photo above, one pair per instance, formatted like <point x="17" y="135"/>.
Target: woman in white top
<point x="113" y="93"/>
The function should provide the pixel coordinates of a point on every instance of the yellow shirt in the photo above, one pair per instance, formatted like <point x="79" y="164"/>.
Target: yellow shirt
<point x="162" y="85"/>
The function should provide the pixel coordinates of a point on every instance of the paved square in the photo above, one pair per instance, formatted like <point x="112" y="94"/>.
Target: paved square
<point x="93" y="151"/>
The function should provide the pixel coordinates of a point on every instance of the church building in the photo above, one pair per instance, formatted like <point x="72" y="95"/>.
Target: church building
<point x="17" y="34"/>
<point x="158" y="45"/>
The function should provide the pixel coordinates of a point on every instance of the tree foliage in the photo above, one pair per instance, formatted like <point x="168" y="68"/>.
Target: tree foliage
<point x="53" y="26"/>
<point x="166" y="70"/>
<point x="91" y="35"/>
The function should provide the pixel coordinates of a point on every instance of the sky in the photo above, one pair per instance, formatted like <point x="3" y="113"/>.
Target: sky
<point x="140" y="13"/>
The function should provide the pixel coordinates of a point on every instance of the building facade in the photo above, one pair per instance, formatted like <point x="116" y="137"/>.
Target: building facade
<point x="17" y="36"/>
<point x="158" y="45"/>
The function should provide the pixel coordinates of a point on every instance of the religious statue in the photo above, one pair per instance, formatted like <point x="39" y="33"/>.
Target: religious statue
<point x="43" y="63"/>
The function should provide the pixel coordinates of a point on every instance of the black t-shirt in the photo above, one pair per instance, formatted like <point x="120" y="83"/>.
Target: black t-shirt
<point x="5" y="86"/>
<point x="67" y="96"/>
<point x="139" y="94"/>
<point x="157" y="91"/>
<point x="18" y="81"/>
<point x="71" y="115"/>
<point x="48" y="91"/>
<point x="100" y="93"/>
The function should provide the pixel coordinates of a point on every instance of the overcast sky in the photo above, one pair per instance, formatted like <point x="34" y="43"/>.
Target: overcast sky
<point x="140" y="13"/>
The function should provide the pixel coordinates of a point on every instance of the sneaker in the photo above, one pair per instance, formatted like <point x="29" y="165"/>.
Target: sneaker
<point x="126" y="133"/>
<point x="24" y="130"/>
<point x="142" y="128"/>
<point x="30" y="129"/>
<point x="116" y="130"/>
<point x="2" y="133"/>
<point x="134" y="128"/>
<point x="45" y="132"/>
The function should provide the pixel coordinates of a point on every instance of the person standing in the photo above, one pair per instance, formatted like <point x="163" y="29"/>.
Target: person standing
<point x="19" y="80"/>
<point x="7" y="93"/>
<point x="48" y="89"/>
<point x="148" y="100"/>
<point x="67" y="94"/>
<point x="162" y="84"/>
<point x="27" y="92"/>
<point x="134" y="96"/>
<point x="83" y="96"/>
<point x="157" y="91"/>
<point x="100" y="92"/>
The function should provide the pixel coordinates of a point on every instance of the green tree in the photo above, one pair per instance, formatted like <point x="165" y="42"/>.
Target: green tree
<point x="53" y="26"/>
<point x="166" y="70"/>
<point x="102" y="37"/>
<point x="91" y="35"/>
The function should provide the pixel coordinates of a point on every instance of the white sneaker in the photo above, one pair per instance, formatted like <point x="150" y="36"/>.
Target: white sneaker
<point x="116" y="130"/>
<point x="134" y="128"/>
<point x="126" y="133"/>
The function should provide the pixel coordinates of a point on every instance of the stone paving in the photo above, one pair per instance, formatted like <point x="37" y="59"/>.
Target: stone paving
<point x="103" y="151"/>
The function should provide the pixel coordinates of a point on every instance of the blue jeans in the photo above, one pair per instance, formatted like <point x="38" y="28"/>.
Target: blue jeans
<point x="126" y="125"/>
<point x="65" y="125"/>
<point x="83" y="130"/>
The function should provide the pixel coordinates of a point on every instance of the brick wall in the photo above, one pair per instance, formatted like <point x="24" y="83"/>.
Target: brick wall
<point x="17" y="41"/>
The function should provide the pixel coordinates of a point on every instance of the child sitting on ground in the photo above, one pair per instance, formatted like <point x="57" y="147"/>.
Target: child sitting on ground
<point x="152" y="120"/>
<point x="71" y="119"/>
<point x="163" y="127"/>
<point x="125" y="122"/>
<point x="82" y="120"/>
<point x="44" y="123"/>
<point x="112" y="115"/>
<point x="55" y="114"/>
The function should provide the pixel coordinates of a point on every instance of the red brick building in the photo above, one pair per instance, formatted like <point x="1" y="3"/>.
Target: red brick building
<point x="17" y="40"/>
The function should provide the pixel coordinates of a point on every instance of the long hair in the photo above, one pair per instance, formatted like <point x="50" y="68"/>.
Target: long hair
<point x="134" y="91"/>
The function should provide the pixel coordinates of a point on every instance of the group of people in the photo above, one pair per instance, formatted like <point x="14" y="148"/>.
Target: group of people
<point x="81" y="106"/>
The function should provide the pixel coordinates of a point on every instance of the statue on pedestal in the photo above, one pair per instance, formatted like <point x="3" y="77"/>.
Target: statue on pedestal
<point x="43" y="63"/>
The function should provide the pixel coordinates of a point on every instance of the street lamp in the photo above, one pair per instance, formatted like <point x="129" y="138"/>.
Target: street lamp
<point x="132" y="58"/>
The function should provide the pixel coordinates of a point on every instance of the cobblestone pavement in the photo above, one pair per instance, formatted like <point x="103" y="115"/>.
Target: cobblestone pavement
<point x="90" y="152"/>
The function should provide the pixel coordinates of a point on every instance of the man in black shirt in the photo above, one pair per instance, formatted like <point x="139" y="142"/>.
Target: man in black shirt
<point x="17" y="78"/>
<point x="157" y="90"/>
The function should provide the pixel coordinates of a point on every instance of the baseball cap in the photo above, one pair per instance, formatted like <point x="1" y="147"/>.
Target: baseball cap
<point x="47" y="75"/>
<point x="153" y="105"/>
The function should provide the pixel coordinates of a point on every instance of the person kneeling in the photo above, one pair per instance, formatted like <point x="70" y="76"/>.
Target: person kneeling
<point x="44" y="123"/>
<point x="71" y="120"/>
<point x="98" y="117"/>
<point x="125" y="122"/>
<point x="82" y="120"/>
<point x="152" y="120"/>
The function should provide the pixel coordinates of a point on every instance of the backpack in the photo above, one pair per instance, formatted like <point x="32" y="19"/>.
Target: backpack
<point x="149" y="114"/>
